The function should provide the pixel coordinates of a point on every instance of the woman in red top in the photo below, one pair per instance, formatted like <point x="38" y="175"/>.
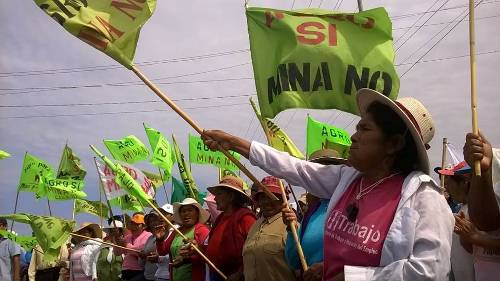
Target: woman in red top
<point x="230" y="229"/>
<point x="192" y="218"/>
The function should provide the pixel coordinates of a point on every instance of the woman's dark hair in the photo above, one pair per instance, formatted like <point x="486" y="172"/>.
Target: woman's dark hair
<point x="406" y="160"/>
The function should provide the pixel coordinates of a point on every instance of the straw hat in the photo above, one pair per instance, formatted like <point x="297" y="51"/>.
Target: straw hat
<point x="417" y="118"/>
<point x="95" y="228"/>
<point x="203" y="217"/>
<point x="327" y="157"/>
<point x="230" y="182"/>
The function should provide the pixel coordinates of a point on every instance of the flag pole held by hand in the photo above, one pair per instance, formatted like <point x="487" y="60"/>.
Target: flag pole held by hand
<point x="473" y="94"/>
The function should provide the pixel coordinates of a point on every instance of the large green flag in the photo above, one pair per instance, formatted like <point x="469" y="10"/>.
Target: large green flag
<point x="319" y="59"/>
<point x="179" y="193"/>
<point x="34" y="174"/>
<point x="129" y="149"/>
<point x="91" y="207"/>
<point x="321" y="136"/>
<point x="50" y="232"/>
<point x="27" y="242"/>
<point x="276" y="137"/>
<point x="185" y="172"/>
<point x="163" y="156"/>
<point x="110" y="26"/>
<point x="70" y="166"/>
<point x="4" y="154"/>
<point x="199" y="153"/>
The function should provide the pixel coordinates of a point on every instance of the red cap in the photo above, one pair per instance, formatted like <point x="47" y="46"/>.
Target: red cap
<point x="272" y="184"/>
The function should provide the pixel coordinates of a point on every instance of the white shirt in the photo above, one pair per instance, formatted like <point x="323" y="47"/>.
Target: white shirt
<point x="418" y="243"/>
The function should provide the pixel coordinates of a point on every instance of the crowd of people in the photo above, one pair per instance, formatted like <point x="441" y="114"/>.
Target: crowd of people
<point x="377" y="215"/>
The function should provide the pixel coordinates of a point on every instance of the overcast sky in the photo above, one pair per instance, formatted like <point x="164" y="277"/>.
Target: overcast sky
<point x="184" y="38"/>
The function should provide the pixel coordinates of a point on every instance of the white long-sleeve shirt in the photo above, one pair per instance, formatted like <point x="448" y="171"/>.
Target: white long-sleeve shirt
<point x="418" y="243"/>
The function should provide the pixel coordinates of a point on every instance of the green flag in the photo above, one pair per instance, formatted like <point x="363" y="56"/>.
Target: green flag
<point x="199" y="153"/>
<point x="34" y="174"/>
<point x="319" y="59"/>
<point x="4" y="154"/>
<point x="127" y="203"/>
<point x="129" y="149"/>
<point x="276" y="137"/>
<point x="62" y="189"/>
<point x="179" y="193"/>
<point x="156" y="179"/>
<point x="110" y="26"/>
<point x="91" y="207"/>
<point x="321" y="136"/>
<point x="70" y="166"/>
<point x="27" y="242"/>
<point x="185" y="172"/>
<point x="50" y="232"/>
<point x="163" y="156"/>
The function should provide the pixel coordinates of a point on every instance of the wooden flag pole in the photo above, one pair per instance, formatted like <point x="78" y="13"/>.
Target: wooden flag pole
<point x="198" y="129"/>
<point x="208" y="261"/>
<point x="104" y="242"/>
<point x="294" y="232"/>
<point x="443" y="161"/>
<point x="473" y="94"/>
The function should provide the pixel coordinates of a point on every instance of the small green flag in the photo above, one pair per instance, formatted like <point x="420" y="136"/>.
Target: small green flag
<point x="129" y="149"/>
<point x="276" y="137"/>
<point x="4" y="154"/>
<point x="70" y="166"/>
<point x="185" y="172"/>
<point x="34" y="174"/>
<point x="156" y="179"/>
<point x="321" y="136"/>
<point x="50" y="232"/>
<point x="127" y="203"/>
<point x="199" y="153"/>
<point x="27" y="242"/>
<point x="110" y="26"/>
<point x="163" y="156"/>
<point x="91" y="207"/>
<point x="179" y="193"/>
<point x="62" y="189"/>
<point x="319" y="59"/>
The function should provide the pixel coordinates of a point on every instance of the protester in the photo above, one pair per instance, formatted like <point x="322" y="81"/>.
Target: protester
<point x="186" y="264"/>
<point x="263" y="251"/>
<point x="302" y="204"/>
<point x="457" y="185"/>
<point x="151" y="220"/>
<point x="230" y="229"/>
<point x="483" y="231"/>
<point x="135" y="240"/>
<point x="10" y="265"/>
<point x="107" y="265"/>
<point x="161" y="231"/>
<point x="81" y="256"/>
<point x="386" y="218"/>
<point x="311" y="227"/>
<point x="40" y="269"/>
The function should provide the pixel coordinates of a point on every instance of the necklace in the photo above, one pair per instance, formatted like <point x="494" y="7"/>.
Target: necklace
<point x="352" y="209"/>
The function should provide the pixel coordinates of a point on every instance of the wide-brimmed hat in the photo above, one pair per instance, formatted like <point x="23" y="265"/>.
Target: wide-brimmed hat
<point x="272" y="184"/>
<point x="230" y="182"/>
<point x="168" y="208"/>
<point x="95" y="228"/>
<point x="417" y="118"/>
<point x="327" y="157"/>
<point x="461" y="168"/>
<point x="203" y="217"/>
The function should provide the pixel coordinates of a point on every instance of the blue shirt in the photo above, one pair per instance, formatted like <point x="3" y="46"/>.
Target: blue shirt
<point x="312" y="239"/>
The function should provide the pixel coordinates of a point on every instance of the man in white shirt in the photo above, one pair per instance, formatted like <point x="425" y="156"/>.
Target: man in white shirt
<point x="10" y="264"/>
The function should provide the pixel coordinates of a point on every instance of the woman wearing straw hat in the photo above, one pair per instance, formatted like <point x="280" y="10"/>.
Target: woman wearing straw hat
<point x="264" y="249"/>
<point x="81" y="259"/>
<point x="191" y="217"/>
<point x="386" y="218"/>
<point x="230" y="229"/>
